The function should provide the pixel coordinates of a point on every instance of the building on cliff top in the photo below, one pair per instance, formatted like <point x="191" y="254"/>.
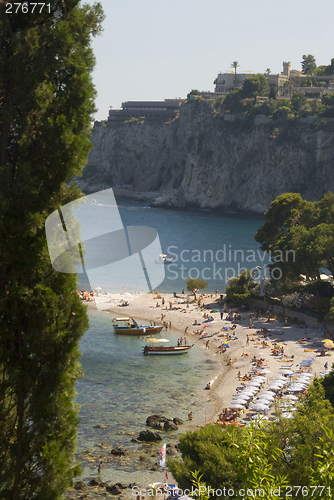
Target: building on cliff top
<point x="226" y="82"/>
<point x="156" y="110"/>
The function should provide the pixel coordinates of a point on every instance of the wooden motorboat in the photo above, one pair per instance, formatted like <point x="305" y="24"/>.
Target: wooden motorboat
<point x="127" y="326"/>
<point x="163" y="350"/>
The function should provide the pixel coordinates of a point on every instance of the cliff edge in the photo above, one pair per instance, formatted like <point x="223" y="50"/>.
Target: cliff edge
<point x="209" y="160"/>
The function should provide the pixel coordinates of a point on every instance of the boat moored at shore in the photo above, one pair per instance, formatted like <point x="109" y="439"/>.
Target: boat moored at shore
<point x="163" y="350"/>
<point x="125" y="326"/>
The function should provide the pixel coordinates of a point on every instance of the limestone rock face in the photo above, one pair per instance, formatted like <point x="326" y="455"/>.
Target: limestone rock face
<point x="204" y="160"/>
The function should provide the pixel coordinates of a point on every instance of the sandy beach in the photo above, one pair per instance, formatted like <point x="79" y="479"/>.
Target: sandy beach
<point x="271" y="343"/>
<point x="298" y="348"/>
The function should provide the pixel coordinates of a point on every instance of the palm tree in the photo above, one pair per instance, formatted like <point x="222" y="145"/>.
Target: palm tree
<point x="268" y="71"/>
<point x="235" y="65"/>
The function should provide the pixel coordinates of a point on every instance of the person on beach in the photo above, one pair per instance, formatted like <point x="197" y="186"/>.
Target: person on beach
<point x="326" y="366"/>
<point x="207" y="344"/>
<point x="221" y="315"/>
<point x="190" y="416"/>
<point x="247" y="341"/>
<point x="170" y="325"/>
<point x="100" y="467"/>
<point x="186" y="329"/>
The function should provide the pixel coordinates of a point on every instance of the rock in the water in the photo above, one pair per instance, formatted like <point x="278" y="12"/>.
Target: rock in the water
<point x="134" y="440"/>
<point x="155" y="419"/>
<point x="123" y="486"/>
<point x="80" y="485"/>
<point x="132" y="485"/>
<point x="96" y="481"/>
<point x="149" y="436"/>
<point x="118" y="451"/>
<point x="170" y="451"/>
<point x="114" y="490"/>
<point x="100" y="426"/>
<point x="170" y="426"/>
<point x="177" y="421"/>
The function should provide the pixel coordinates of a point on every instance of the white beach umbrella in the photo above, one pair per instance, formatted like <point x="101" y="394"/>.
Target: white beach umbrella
<point x="260" y="407"/>
<point x="277" y="382"/>
<point x="295" y="389"/>
<point x="249" y="390"/>
<point x="275" y="388"/>
<point x="302" y="382"/>
<point x="298" y="384"/>
<point x="259" y="417"/>
<point x="243" y="394"/>
<point x="287" y="415"/>
<point x="267" y="397"/>
<point x="237" y="407"/>
<point x="241" y="401"/>
<point x="254" y="383"/>
<point x="286" y="372"/>
<point x="270" y="392"/>
<point x="265" y="370"/>
<point x="290" y="397"/>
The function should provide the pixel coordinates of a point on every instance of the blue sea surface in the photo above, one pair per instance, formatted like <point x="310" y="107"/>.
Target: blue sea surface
<point x="121" y="387"/>
<point x="204" y="244"/>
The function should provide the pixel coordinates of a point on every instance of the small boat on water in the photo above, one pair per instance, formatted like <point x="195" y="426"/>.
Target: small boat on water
<point x="163" y="350"/>
<point x="164" y="259"/>
<point x="125" y="326"/>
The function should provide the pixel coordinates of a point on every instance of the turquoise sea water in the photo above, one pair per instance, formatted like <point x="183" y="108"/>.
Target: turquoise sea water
<point x="121" y="387"/>
<point x="204" y="244"/>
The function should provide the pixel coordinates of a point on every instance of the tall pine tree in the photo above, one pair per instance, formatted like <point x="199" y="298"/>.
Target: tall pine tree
<point x="46" y="106"/>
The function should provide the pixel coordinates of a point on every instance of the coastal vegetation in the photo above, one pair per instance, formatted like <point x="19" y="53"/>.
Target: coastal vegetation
<point x="307" y="228"/>
<point x="298" y="236"/>
<point x="47" y="101"/>
<point x="193" y="285"/>
<point x="265" y="458"/>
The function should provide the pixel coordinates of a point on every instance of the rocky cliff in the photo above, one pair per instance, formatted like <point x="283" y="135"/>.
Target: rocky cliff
<point x="204" y="159"/>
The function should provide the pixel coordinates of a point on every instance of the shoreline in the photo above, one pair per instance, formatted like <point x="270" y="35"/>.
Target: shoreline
<point x="240" y="351"/>
<point x="245" y="343"/>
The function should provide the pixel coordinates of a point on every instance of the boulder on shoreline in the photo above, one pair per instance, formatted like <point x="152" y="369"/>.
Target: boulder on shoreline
<point x="170" y="426"/>
<point x="154" y="420"/>
<point x="149" y="436"/>
<point x="118" y="451"/>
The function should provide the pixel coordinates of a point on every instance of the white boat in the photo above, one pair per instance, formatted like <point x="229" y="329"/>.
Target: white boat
<point x="164" y="259"/>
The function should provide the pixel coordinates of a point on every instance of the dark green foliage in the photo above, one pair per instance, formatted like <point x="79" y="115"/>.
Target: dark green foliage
<point x="46" y="96"/>
<point x="238" y="289"/>
<point x="298" y="100"/>
<point x="308" y="64"/>
<point x="206" y="450"/>
<point x="328" y="99"/>
<point x="193" y="284"/>
<point x="272" y="92"/>
<point x="303" y="229"/>
<point x="329" y="318"/>
<point x="254" y="85"/>
<point x="287" y="452"/>
<point x="233" y="102"/>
